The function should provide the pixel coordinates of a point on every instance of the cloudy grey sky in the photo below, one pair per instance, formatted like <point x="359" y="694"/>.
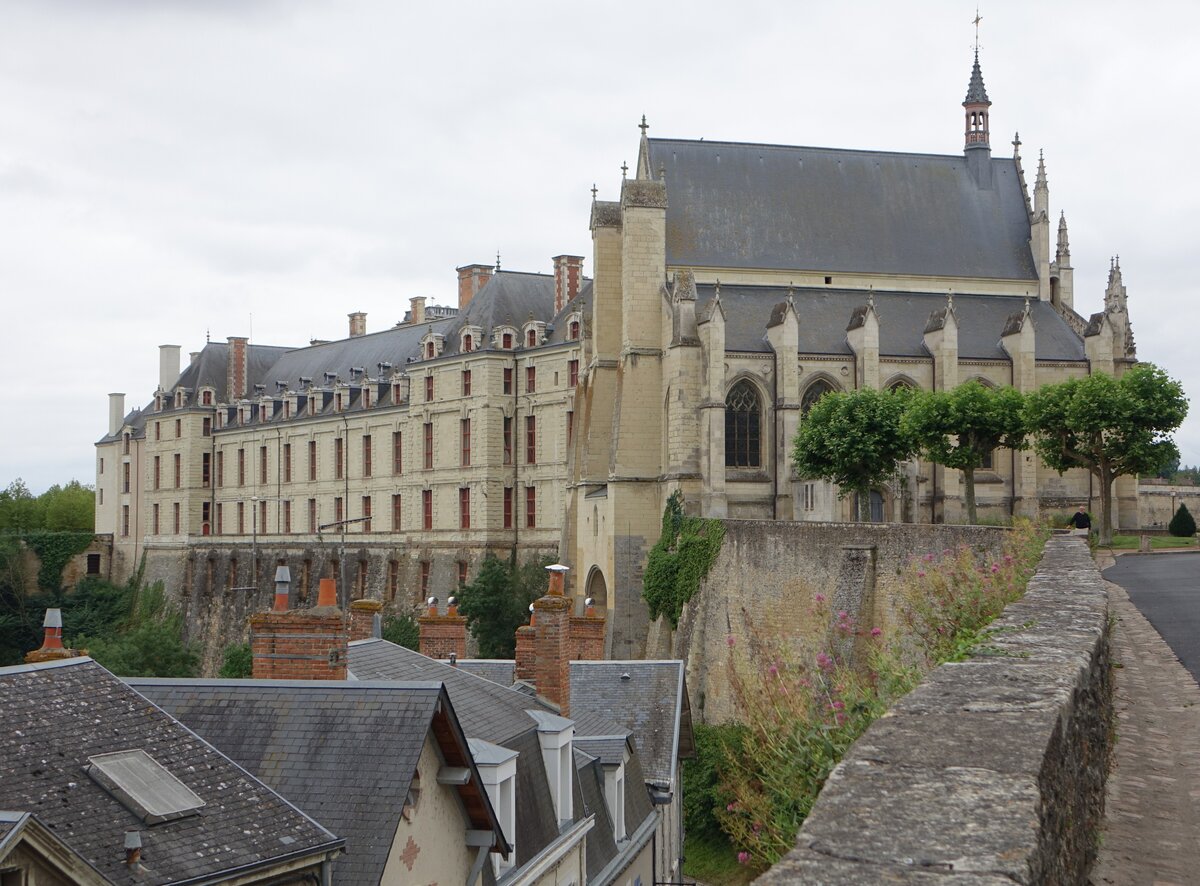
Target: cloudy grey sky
<point x="171" y="168"/>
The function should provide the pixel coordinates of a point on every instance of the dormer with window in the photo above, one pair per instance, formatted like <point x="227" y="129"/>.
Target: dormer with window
<point x="504" y="337"/>
<point x="208" y="396"/>
<point x="614" y="795"/>
<point x="574" y="323"/>
<point x="341" y="398"/>
<point x="498" y="771"/>
<point x="432" y="345"/>
<point x="470" y="339"/>
<point x="399" y="388"/>
<point x="244" y="412"/>
<point x="181" y="398"/>
<point x="555" y="735"/>
<point x="159" y="398"/>
<point x="533" y="333"/>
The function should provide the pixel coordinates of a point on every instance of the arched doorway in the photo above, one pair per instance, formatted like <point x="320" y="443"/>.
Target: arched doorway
<point x="597" y="588"/>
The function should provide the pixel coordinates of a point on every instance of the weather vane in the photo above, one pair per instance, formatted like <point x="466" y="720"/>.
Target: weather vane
<point x="975" y="21"/>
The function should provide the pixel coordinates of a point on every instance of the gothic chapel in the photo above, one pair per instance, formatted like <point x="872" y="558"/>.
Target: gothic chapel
<point x="734" y="284"/>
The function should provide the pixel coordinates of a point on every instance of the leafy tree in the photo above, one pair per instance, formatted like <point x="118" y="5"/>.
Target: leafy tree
<point x="70" y="507"/>
<point x="1183" y="524"/>
<point x="402" y="630"/>
<point x="959" y="428"/>
<point x="20" y="511"/>
<point x="150" y="646"/>
<point x="237" y="662"/>
<point x="497" y="602"/>
<point x="855" y="439"/>
<point x="1108" y="426"/>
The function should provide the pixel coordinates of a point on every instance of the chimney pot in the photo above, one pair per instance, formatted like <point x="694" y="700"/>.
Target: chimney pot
<point x="133" y="847"/>
<point x="283" y="581"/>
<point x="52" y="638"/>
<point x="327" y="592"/>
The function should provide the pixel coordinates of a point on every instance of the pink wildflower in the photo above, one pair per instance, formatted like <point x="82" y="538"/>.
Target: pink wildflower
<point x="773" y="671"/>
<point x="928" y="558"/>
<point x="820" y="598"/>
<point x="838" y="706"/>
<point x="875" y="632"/>
<point x="731" y="807"/>
<point x="841" y="719"/>
<point x="843" y="615"/>
<point x="823" y="660"/>
<point x="729" y="641"/>
<point x="920" y="573"/>
<point x="743" y="857"/>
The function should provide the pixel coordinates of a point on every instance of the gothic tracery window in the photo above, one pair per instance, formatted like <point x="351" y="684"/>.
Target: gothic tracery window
<point x="743" y="421"/>
<point x="812" y="394"/>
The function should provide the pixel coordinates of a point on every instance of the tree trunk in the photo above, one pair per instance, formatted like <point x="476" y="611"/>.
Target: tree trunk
<point x="864" y="505"/>
<point x="969" y="483"/>
<point x="1105" y="529"/>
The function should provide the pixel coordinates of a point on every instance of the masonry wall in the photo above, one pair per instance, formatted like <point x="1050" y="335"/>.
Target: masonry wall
<point x="764" y="582"/>
<point x="994" y="766"/>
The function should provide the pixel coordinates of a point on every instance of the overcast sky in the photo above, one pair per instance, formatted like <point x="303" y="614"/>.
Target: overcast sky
<point x="176" y="168"/>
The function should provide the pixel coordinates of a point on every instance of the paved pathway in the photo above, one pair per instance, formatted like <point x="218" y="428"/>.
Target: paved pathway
<point x="1152" y="827"/>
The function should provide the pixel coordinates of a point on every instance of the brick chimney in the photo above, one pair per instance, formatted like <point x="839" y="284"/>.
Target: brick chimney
<point x="587" y="633"/>
<point x="358" y="324"/>
<point x="238" y="369"/>
<point x="552" y="644"/>
<point x="568" y="275"/>
<point x="52" y="644"/>
<point x="471" y="279"/>
<point x="301" y="644"/>
<point x="526" y="656"/>
<point x="362" y="618"/>
<point x="443" y="634"/>
<point x="416" y="309"/>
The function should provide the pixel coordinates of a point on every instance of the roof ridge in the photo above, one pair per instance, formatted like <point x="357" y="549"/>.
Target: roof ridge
<point x="779" y="146"/>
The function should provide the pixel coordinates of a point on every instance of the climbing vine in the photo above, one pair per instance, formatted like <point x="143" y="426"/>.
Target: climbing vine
<point x="54" y="550"/>
<point x="679" y="561"/>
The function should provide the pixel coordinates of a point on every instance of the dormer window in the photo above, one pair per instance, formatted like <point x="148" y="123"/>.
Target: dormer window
<point x="432" y="345"/>
<point x="534" y="333"/>
<point x="508" y="341"/>
<point x="573" y="330"/>
<point x="468" y="344"/>
<point x="504" y="337"/>
<point x="614" y="796"/>
<point x="429" y="350"/>
<point x="158" y="402"/>
<point x="180" y="399"/>
<point x="531" y="338"/>
<point x="498" y="771"/>
<point x="338" y="401"/>
<point x="366" y="398"/>
<point x="555" y="736"/>
<point x="206" y="398"/>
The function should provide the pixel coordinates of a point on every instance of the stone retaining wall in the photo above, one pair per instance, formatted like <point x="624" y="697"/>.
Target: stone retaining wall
<point x="992" y="771"/>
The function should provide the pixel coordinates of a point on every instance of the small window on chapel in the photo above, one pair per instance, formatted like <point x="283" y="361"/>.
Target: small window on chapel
<point x="743" y="421"/>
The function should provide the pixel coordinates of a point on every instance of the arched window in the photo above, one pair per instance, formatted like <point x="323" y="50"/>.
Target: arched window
<point x="574" y="334"/>
<point x="743" y="420"/>
<point x="468" y="343"/>
<point x="815" y="392"/>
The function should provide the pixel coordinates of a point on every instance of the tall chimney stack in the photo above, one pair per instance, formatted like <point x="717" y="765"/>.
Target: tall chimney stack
<point x="442" y="635"/>
<point x="358" y="324"/>
<point x="416" y="310"/>
<point x="568" y="276"/>
<point x="471" y="279"/>
<point x="238" y="369"/>
<point x="552" y="644"/>
<point x="587" y="633"/>
<point x="168" y="366"/>
<point x="301" y="644"/>
<point x="116" y="412"/>
<point x="362" y="618"/>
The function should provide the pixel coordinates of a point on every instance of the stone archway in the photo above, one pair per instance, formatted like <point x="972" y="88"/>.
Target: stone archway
<point x="597" y="588"/>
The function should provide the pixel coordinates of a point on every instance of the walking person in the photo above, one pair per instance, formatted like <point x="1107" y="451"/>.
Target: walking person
<point x="1080" y="522"/>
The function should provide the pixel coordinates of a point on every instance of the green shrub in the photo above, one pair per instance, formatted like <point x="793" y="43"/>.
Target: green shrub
<point x="1183" y="524"/>
<point x="150" y="645"/>
<point x="679" y="560"/>
<point x="237" y="663"/>
<point x="402" y="630"/>
<point x="703" y="796"/>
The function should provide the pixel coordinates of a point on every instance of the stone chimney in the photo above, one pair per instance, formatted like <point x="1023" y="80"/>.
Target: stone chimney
<point x="168" y="366"/>
<point x="116" y="412"/>
<point x="362" y="618"/>
<point x="301" y="644"/>
<point x="442" y="635"/>
<point x="552" y="643"/>
<point x="526" y="655"/>
<point x="52" y="644"/>
<point x="568" y="276"/>
<point x="416" y="309"/>
<point x="358" y="324"/>
<point x="471" y="279"/>
<point x="238" y="369"/>
<point x="587" y="633"/>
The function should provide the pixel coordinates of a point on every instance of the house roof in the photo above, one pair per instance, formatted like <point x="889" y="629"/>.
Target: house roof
<point x="58" y="714"/>
<point x="825" y="312"/>
<point x="343" y="751"/>
<point x="736" y="205"/>
<point x="651" y="704"/>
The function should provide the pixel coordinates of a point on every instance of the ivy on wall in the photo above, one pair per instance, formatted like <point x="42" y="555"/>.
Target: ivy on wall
<point x="680" y="559"/>
<point x="54" y="551"/>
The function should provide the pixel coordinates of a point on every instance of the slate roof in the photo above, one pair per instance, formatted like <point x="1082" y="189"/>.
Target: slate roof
<point x="825" y="312"/>
<point x="345" y="752"/>
<point x="485" y="710"/>
<point x="736" y="205"/>
<point x="498" y="670"/>
<point x="651" y="705"/>
<point x="58" y="714"/>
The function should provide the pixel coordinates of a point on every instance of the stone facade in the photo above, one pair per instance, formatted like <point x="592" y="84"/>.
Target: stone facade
<point x="993" y="769"/>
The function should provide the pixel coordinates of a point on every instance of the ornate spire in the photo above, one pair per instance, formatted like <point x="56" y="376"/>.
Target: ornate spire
<point x="1016" y="143"/>
<point x="976" y="104"/>
<point x="1040" y="181"/>
<point x="643" y="160"/>
<point x="1063" y="255"/>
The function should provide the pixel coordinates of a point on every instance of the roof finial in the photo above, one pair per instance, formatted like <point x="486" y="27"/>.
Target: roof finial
<point x="497" y="260"/>
<point x="975" y="21"/>
<point x="871" y="296"/>
<point x="593" y="192"/>
<point x="1026" y="302"/>
<point x="207" y="335"/>
<point x="1016" y="143"/>
<point x="717" y="290"/>
<point x="643" y="126"/>
<point x="624" y="169"/>
<point x="949" y="300"/>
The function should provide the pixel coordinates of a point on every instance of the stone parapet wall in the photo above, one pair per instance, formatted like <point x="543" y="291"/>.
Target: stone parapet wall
<point x="765" y="579"/>
<point x="993" y="770"/>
